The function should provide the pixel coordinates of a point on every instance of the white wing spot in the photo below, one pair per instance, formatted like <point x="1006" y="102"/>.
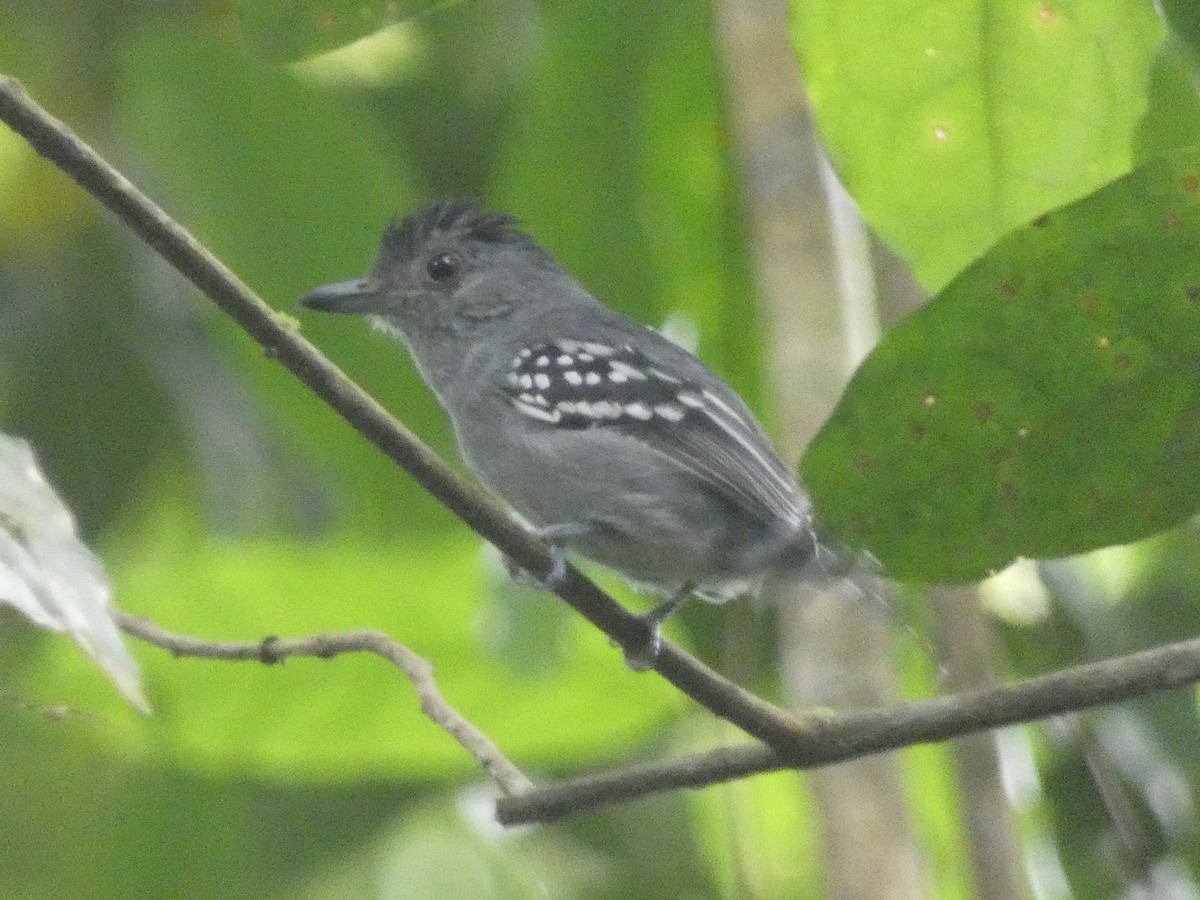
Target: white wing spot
<point x="565" y="360"/>
<point x="687" y="398"/>
<point x="525" y="353"/>
<point x="542" y="380"/>
<point x="639" y="411"/>
<point x="598" y="349"/>
<point x="571" y="377"/>
<point x="608" y="409"/>
<point x="586" y="357"/>
<point x="542" y="362"/>
<point x="527" y="381"/>
<point x="669" y="411"/>
<point x="592" y="378"/>
<point x="513" y="379"/>
<point x="663" y="376"/>
<point x="627" y="370"/>
<point x="552" y="416"/>
<point x="617" y="377"/>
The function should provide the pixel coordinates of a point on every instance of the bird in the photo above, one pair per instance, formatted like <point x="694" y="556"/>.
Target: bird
<point x="607" y="438"/>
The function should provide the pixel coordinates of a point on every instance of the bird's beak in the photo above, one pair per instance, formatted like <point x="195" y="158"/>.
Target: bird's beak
<point x="358" y="295"/>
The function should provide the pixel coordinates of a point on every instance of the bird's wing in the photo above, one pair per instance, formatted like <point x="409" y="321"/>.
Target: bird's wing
<point x="699" y="425"/>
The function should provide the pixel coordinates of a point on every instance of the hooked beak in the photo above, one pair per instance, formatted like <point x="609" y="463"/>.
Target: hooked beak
<point x="358" y="295"/>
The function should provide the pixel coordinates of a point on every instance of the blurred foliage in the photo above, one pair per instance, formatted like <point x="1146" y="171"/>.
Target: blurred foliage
<point x="1183" y="20"/>
<point x="287" y="31"/>
<point x="228" y="503"/>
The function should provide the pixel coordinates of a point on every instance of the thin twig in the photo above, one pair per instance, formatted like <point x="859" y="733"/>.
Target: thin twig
<point x="280" y="340"/>
<point x="323" y="646"/>
<point x="840" y="737"/>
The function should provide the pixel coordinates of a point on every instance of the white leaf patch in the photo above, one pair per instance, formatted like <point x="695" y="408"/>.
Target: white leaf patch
<point x="48" y="574"/>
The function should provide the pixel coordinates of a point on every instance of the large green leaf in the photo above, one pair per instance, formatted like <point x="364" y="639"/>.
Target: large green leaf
<point x="1045" y="403"/>
<point x="954" y="121"/>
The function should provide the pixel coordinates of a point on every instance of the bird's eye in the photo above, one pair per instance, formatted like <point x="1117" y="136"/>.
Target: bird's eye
<point x="442" y="267"/>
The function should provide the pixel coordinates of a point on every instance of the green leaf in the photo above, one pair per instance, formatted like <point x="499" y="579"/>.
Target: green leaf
<point x="290" y="29"/>
<point x="952" y="122"/>
<point x="1047" y="402"/>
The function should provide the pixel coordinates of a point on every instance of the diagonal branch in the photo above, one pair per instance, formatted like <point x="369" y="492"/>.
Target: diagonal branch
<point x="281" y="341"/>
<point x="840" y="737"/>
<point x="323" y="646"/>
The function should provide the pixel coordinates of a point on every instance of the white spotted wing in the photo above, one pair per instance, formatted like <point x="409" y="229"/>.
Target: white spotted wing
<point x="571" y="384"/>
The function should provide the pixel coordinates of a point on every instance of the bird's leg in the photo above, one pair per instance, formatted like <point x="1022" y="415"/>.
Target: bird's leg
<point x="642" y="658"/>
<point x="556" y="537"/>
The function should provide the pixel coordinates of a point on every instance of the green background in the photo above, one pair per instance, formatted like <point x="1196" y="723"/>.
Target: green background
<point x="1029" y="163"/>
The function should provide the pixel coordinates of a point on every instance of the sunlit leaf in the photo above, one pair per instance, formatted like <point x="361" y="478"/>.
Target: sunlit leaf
<point x="954" y="121"/>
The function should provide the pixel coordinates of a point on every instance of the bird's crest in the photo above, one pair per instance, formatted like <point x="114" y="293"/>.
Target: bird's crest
<point x="405" y="237"/>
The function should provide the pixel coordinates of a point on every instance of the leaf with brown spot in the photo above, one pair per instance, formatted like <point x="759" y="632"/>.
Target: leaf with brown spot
<point x="1090" y="434"/>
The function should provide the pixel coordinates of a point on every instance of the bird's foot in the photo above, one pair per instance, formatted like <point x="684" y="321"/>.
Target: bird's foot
<point x="555" y="537"/>
<point x="642" y="656"/>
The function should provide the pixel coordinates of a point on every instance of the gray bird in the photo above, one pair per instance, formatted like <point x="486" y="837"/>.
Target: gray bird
<point x="609" y="439"/>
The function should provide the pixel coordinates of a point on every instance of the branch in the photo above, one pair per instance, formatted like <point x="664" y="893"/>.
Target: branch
<point x="280" y="341"/>
<point x="840" y="737"/>
<point x="324" y="646"/>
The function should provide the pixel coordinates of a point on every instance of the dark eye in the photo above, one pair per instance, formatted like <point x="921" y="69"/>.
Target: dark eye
<point x="442" y="266"/>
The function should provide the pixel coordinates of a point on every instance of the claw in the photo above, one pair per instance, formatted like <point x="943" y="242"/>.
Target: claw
<point x="641" y="658"/>
<point x="557" y="575"/>
<point x="556" y="537"/>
